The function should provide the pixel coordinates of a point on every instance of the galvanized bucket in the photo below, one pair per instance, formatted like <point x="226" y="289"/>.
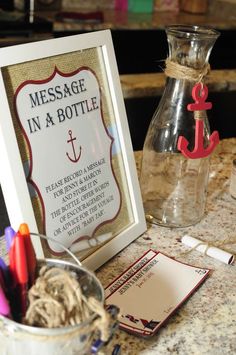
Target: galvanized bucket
<point x="17" y="338"/>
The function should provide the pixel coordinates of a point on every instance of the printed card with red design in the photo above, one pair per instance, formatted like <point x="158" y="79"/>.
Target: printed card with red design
<point x="151" y="289"/>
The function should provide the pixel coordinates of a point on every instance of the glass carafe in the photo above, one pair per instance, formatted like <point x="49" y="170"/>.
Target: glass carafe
<point x="174" y="186"/>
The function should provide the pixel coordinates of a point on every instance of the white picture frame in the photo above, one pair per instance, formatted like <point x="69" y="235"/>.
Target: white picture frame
<point x="67" y="65"/>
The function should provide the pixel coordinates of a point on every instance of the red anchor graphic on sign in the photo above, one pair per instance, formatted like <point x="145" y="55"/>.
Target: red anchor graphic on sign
<point x="71" y="140"/>
<point x="199" y="94"/>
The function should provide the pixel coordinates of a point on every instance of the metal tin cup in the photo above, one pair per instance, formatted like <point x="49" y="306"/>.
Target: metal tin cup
<point x="17" y="338"/>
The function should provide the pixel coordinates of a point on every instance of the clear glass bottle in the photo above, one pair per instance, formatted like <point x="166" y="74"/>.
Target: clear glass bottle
<point x="174" y="187"/>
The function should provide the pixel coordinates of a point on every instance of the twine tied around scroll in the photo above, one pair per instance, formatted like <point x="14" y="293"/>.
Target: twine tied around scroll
<point x="208" y="245"/>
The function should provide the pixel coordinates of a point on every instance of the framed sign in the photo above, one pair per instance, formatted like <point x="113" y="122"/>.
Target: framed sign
<point x="67" y="164"/>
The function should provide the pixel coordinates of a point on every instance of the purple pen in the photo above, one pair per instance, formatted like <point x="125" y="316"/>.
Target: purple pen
<point x="3" y="265"/>
<point x="9" y="236"/>
<point x="4" y="305"/>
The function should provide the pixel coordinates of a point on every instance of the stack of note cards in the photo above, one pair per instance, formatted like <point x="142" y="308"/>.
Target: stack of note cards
<point x="151" y="289"/>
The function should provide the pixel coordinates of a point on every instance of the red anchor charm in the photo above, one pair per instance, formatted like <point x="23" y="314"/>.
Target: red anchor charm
<point x="199" y="94"/>
<point x="71" y="140"/>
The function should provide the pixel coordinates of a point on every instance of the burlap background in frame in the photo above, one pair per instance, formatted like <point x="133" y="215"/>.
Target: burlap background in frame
<point x="41" y="69"/>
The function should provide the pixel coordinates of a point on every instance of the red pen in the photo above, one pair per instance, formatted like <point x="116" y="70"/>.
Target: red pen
<point x="30" y="253"/>
<point x="12" y="266"/>
<point x="20" y="273"/>
<point x="12" y="295"/>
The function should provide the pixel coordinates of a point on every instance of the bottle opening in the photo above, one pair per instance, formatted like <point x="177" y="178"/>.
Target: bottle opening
<point x="189" y="31"/>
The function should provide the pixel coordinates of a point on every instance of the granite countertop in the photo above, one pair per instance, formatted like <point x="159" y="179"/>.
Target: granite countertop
<point x="121" y="20"/>
<point x="206" y="322"/>
<point x="152" y="84"/>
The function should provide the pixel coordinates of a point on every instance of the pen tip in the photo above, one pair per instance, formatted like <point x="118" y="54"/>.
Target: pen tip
<point x="24" y="229"/>
<point x="9" y="229"/>
<point x="9" y="236"/>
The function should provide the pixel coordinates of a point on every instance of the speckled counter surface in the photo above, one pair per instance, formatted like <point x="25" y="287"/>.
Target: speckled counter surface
<point x="152" y="84"/>
<point x="206" y="322"/>
<point x="121" y="20"/>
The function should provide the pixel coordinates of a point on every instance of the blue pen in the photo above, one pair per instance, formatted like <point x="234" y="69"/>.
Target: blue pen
<point x="9" y="236"/>
<point x="116" y="350"/>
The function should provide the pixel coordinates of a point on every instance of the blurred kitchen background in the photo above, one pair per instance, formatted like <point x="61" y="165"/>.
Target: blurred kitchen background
<point x="138" y="32"/>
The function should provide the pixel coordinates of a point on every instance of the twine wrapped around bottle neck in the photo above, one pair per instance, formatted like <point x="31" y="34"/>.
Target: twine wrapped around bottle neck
<point x="178" y="71"/>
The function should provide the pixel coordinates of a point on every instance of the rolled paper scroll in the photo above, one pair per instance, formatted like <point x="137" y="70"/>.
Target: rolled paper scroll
<point x="210" y="250"/>
<point x="85" y="244"/>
